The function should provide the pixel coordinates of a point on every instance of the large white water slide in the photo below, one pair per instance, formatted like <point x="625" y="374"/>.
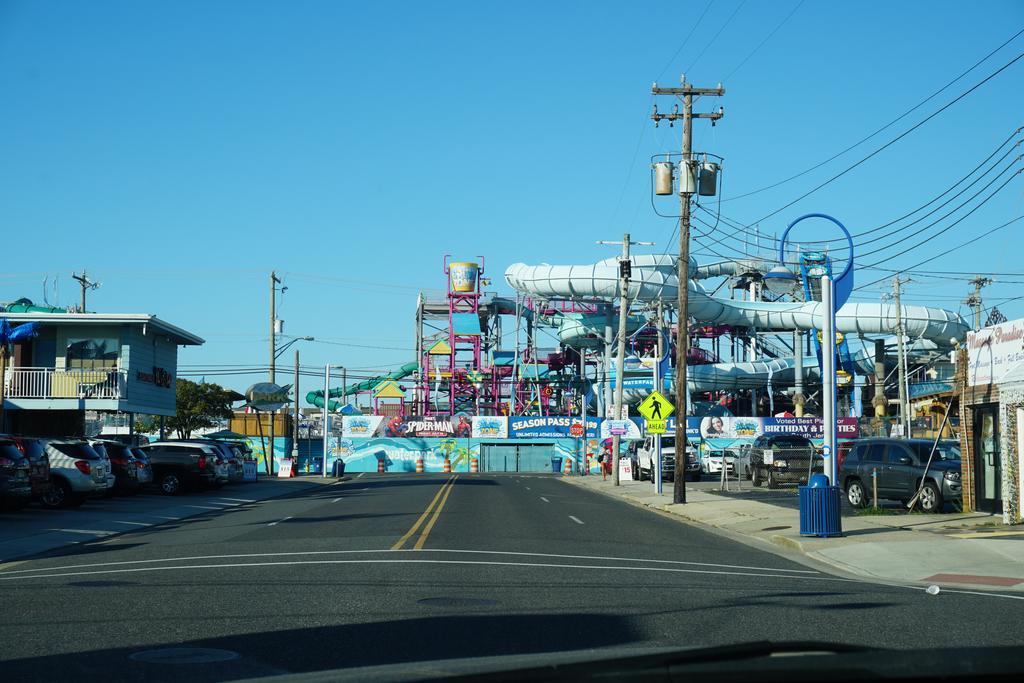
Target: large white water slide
<point x="654" y="277"/>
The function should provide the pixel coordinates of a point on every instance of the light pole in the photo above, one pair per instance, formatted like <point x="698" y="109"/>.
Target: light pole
<point x="295" y="388"/>
<point x="834" y="292"/>
<point x="327" y="412"/>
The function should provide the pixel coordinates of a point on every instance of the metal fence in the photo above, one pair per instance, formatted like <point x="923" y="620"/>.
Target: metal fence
<point x="102" y="383"/>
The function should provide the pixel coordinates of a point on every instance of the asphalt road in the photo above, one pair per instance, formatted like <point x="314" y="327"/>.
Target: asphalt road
<point x="404" y="568"/>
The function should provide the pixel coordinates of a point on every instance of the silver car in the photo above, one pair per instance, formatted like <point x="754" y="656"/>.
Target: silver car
<point x="77" y="472"/>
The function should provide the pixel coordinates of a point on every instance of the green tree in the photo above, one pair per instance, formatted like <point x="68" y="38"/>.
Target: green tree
<point x="199" y="406"/>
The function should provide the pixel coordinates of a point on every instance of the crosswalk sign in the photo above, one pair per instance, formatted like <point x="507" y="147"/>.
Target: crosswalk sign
<point x="655" y="426"/>
<point x="656" y="407"/>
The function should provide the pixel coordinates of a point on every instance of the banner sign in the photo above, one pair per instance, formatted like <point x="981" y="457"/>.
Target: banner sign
<point x="359" y="426"/>
<point x="728" y="427"/>
<point x="457" y="426"/>
<point x="249" y="470"/>
<point x="628" y="430"/>
<point x="490" y="427"/>
<point x="548" y="427"/>
<point x="992" y="352"/>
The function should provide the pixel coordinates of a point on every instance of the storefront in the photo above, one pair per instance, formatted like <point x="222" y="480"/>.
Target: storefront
<point x="991" y="409"/>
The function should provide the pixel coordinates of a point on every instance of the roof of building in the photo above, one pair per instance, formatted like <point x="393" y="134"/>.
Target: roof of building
<point x="178" y="335"/>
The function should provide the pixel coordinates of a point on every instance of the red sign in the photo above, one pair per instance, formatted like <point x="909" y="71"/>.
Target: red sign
<point x="576" y="430"/>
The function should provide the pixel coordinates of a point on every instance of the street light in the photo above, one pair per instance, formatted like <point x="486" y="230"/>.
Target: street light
<point x="280" y="350"/>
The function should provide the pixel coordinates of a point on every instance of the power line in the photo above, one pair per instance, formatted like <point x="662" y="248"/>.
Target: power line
<point x="886" y="126"/>
<point x="894" y="140"/>
<point x="715" y="37"/>
<point x="945" y="253"/>
<point x="761" y="44"/>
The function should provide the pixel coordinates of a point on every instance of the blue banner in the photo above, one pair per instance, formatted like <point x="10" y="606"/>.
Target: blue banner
<point x="548" y="427"/>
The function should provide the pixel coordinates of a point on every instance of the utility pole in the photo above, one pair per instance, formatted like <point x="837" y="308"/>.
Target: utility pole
<point x="659" y="353"/>
<point x="295" y="425"/>
<point x="85" y="283"/>
<point x="901" y="359"/>
<point x="625" y="270"/>
<point x="687" y="186"/>
<point x="274" y="281"/>
<point x="973" y="299"/>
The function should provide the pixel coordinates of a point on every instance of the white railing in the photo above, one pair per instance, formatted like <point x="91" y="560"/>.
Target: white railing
<point x="84" y="383"/>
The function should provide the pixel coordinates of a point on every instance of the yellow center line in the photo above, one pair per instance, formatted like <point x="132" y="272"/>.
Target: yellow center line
<point x="437" y="513"/>
<point x="408" y="534"/>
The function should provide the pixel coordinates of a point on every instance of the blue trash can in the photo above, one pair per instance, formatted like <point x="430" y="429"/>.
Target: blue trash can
<point x="820" y="508"/>
<point x="339" y="468"/>
<point x="556" y="465"/>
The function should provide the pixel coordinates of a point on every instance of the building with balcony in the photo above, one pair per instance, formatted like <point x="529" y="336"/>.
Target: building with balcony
<point x="116" y="363"/>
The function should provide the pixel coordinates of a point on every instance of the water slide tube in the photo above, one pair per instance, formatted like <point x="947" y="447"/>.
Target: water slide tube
<point x="316" y="398"/>
<point x="654" y="277"/>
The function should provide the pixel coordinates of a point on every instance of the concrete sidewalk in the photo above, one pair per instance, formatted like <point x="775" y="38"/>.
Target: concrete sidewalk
<point x="972" y="550"/>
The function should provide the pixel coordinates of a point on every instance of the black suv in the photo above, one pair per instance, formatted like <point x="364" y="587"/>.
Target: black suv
<point x="778" y="458"/>
<point x="899" y="467"/>
<point x="15" y="484"/>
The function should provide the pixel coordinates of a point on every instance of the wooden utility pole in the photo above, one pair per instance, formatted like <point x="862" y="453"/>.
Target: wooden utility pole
<point x="625" y="270"/>
<point x="687" y="187"/>
<point x="974" y="298"/>
<point x="901" y="359"/>
<point x="85" y="283"/>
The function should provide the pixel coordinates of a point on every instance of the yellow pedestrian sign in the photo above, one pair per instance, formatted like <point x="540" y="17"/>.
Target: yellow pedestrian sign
<point x="656" y="407"/>
<point x="655" y="426"/>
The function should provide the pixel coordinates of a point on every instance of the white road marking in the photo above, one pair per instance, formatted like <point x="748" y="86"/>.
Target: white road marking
<point x="164" y="517"/>
<point x="514" y="553"/>
<point x="337" y="499"/>
<point x="527" y="488"/>
<point x="205" y="507"/>
<point x="279" y="521"/>
<point x="91" y="532"/>
<point x="545" y="499"/>
<point x="118" y="521"/>
<point x="486" y="563"/>
<point x="240" y="500"/>
<point x="360" y="475"/>
<point x="576" y="519"/>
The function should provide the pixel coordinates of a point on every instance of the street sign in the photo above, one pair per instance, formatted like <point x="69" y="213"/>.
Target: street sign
<point x="655" y="426"/>
<point x="576" y="430"/>
<point x="656" y="407"/>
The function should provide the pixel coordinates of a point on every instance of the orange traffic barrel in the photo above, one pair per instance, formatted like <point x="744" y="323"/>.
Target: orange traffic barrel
<point x="419" y="465"/>
<point x="474" y="465"/>
<point x="380" y="466"/>
<point x="568" y="466"/>
<point x="447" y="466"/>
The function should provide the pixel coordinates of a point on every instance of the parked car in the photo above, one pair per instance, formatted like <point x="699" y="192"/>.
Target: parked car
<point x="122" y="465"/>
<point x="179" y="464"/>
<point x="39" y="462"/>
<point x="145" y="469"/>
<point x="782" y="458"/>
<point x="232" y="456"/>
<point x="77" y="472"/>
<point x="645" y="459"/>
<point x="735" y="460"/>
<point x="899" y="465"/>
<point x="15" y="481"/>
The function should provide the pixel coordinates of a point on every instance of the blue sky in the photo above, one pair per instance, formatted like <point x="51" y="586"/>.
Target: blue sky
<point x="180" y="151"/>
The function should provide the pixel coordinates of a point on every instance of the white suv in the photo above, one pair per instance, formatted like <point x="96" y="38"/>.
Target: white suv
<point x="77" y="472"/>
